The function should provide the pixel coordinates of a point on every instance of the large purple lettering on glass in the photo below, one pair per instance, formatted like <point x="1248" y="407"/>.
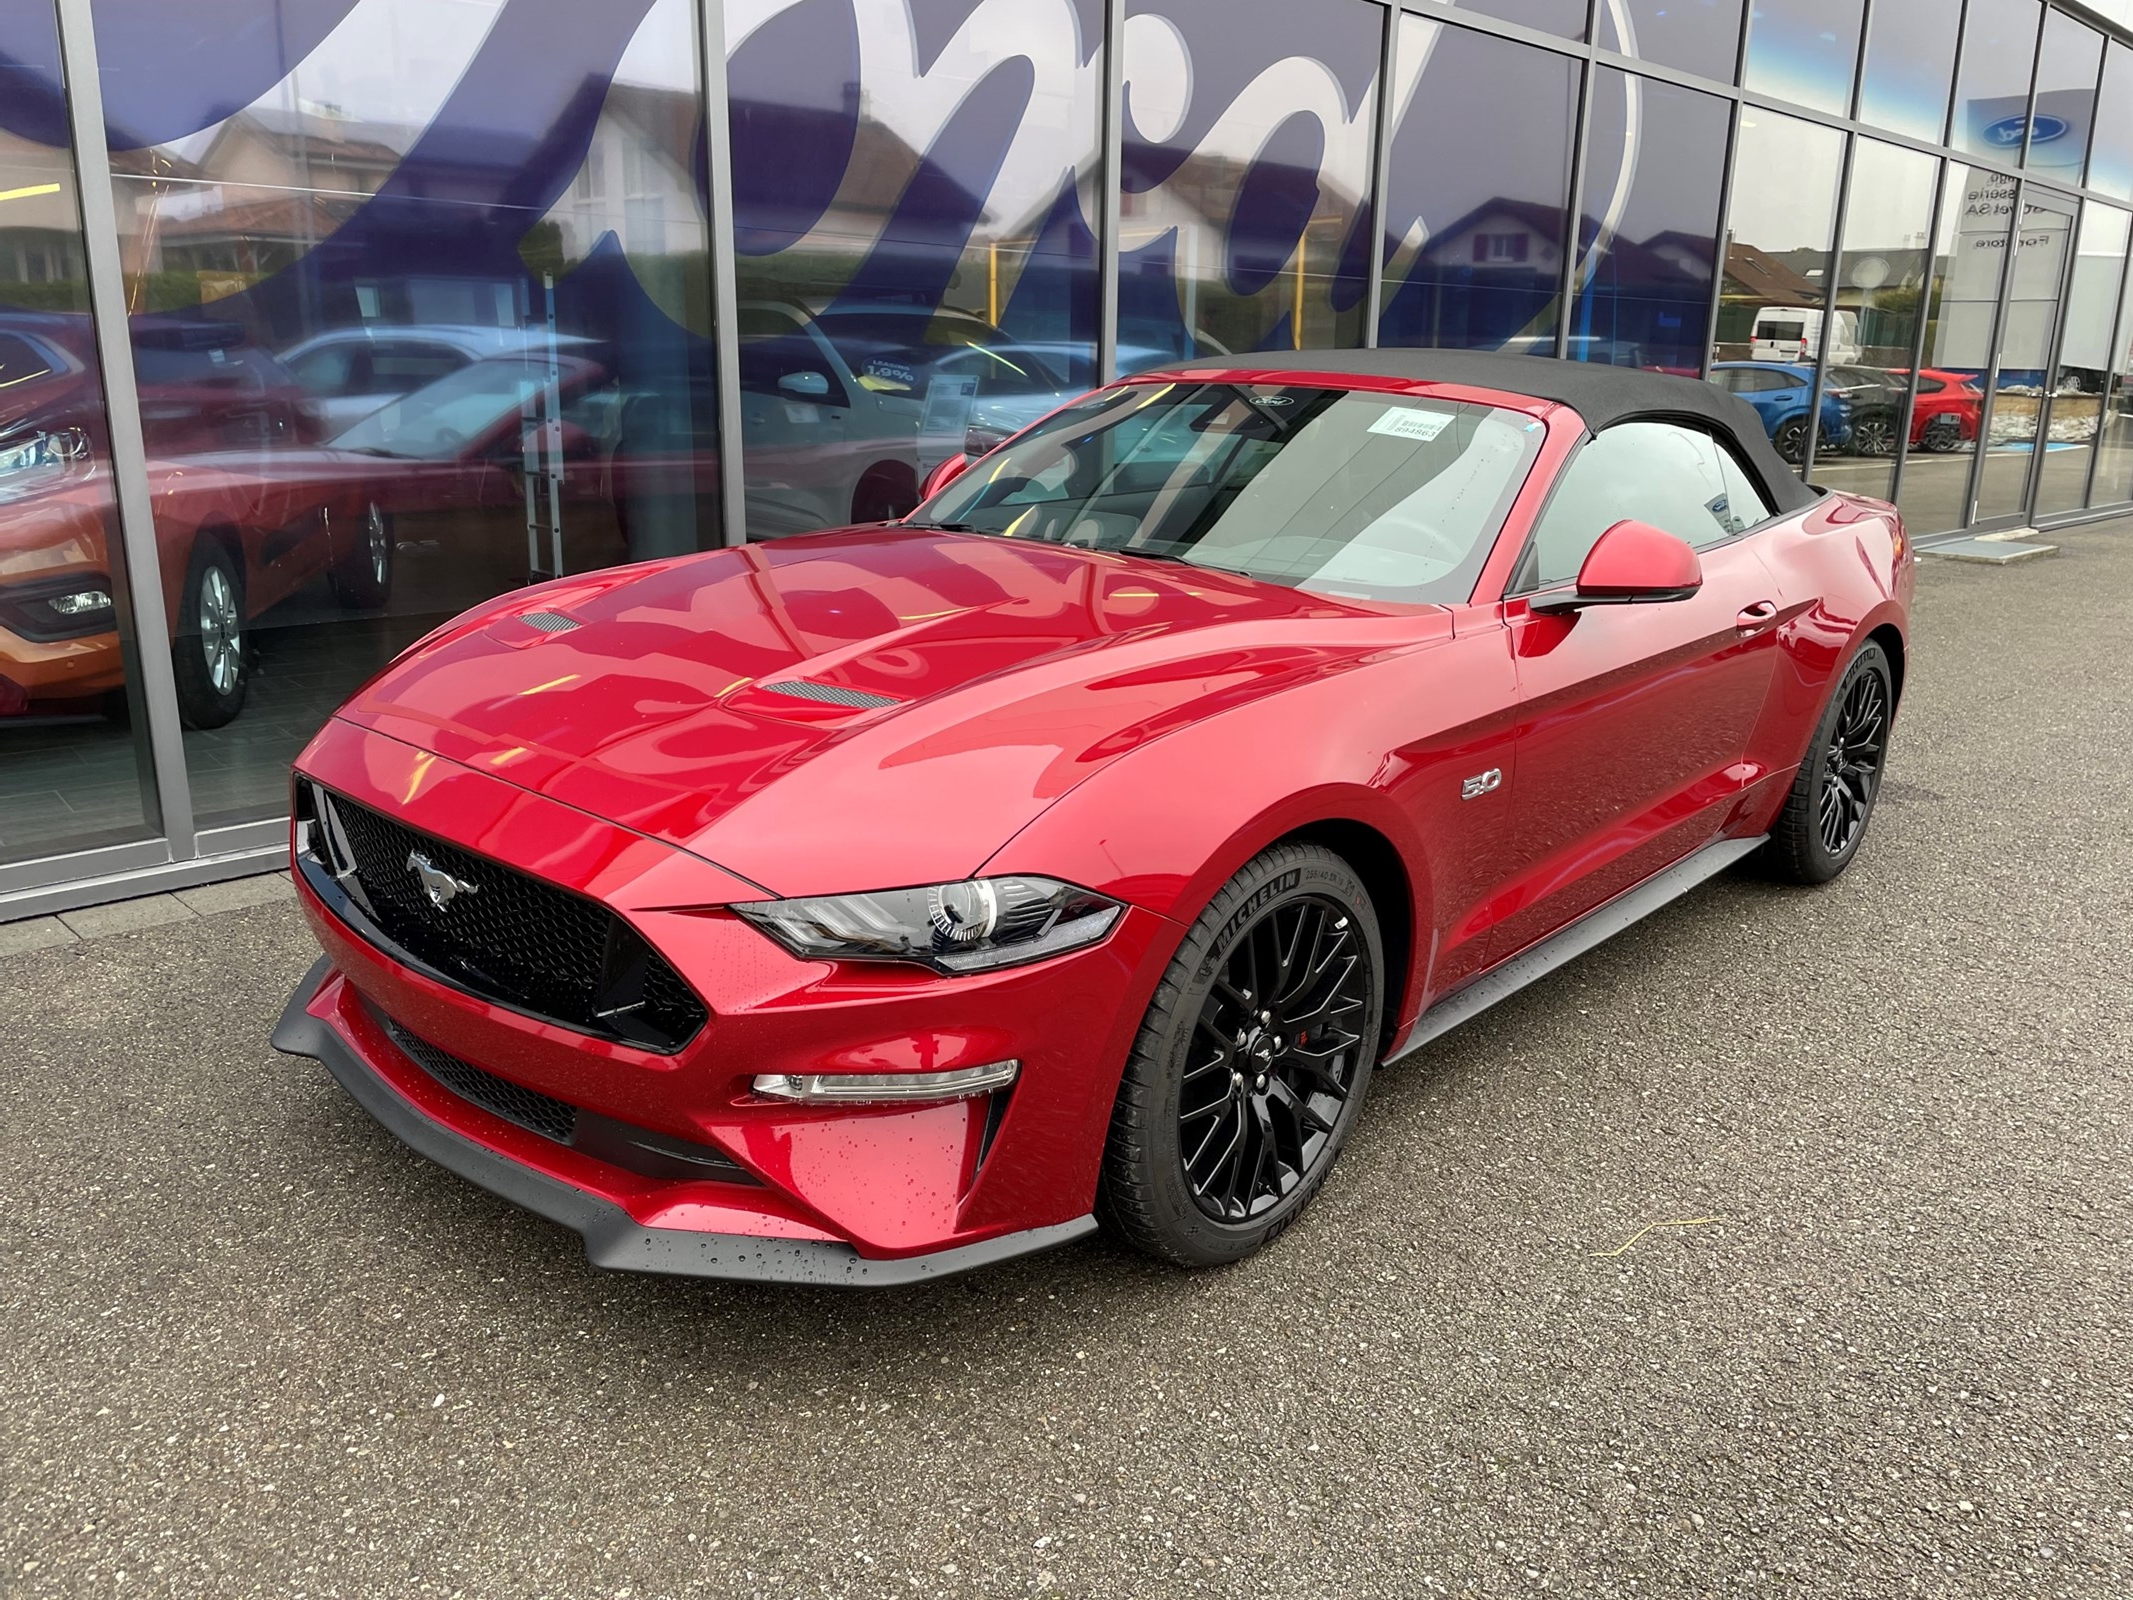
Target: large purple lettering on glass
<point x="1245" y="214"/>
<point x="1649" y="232"/>
<point x="419" y="304"/>
<point x="1474" y="247"/>
<point x="917" y="267"/>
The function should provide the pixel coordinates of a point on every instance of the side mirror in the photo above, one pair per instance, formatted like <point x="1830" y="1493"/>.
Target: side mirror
<point x="804" y="385"/>
<point x="942" y="476"/>
<point x="1631" y="563"/>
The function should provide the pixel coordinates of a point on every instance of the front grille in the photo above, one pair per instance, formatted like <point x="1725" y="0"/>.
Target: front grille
<point x="536" y="1113"/>
<point x="497" y="932"/>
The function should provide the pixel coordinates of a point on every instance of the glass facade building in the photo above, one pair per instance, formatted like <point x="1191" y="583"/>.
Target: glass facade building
<point x="322" y="320"/>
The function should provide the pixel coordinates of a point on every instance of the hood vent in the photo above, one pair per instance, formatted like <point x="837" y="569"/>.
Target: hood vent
<point x="832" y="694"/>
<point x="550" y="621"/>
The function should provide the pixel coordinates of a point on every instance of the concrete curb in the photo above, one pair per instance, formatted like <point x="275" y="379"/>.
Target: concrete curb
<point x="149" y="911"/>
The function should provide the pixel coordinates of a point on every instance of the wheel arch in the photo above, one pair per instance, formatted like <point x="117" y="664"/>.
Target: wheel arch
<point x="1378" y="862"/>
<point x="224" y="534"/>
<point x="1890" y="638"/>
<point x="177" y="561"/>
<point x="899" y="478"/>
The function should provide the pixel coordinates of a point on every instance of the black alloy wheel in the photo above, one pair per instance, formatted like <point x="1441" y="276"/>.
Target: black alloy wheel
<point x="1251" y="1065"/>
<point x="1791" y="439"/>
<point x="1833" y="794"/>
<point x="1270" y="1066"/>
<point x="1851" y="763"/>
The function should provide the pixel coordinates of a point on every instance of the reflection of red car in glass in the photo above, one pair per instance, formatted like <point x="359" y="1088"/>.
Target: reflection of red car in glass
<point x="202" y="387"/>
<point x="1946" y="412"/>
<point x="242" y="530"/>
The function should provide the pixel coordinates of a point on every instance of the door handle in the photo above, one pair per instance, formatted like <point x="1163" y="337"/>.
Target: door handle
<point x="1753" y="619"/>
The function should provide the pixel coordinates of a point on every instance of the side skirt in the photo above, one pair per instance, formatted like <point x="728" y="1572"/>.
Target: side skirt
<point x="1565" y="945"/>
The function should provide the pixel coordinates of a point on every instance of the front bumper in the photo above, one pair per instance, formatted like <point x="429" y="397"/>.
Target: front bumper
<point x="613" y="1237"/>
<point x="865" y="1193"/>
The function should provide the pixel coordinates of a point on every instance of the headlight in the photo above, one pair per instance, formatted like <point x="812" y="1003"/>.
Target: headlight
<point x="36" y="462"/>
<point x="973" y="926"/>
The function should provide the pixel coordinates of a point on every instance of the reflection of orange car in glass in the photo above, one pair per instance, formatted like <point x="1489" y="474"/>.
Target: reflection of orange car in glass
<point x="235" y="532"/>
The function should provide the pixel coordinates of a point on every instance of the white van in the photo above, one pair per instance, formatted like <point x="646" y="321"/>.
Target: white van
<point x="1791" y="334"/>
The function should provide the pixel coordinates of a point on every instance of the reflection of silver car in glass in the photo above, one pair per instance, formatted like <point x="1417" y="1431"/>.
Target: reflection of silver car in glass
<point x="845" y="409"/>
<point x="350" y="372"/>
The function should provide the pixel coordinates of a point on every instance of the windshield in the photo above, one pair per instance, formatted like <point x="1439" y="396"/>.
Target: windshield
<point x="894" y="353"/>
<point x="1375" y="496"/>
<point x="439" y="419"/>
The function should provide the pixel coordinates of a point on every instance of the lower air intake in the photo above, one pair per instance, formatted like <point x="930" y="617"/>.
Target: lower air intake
<point x="536" y="1113"/>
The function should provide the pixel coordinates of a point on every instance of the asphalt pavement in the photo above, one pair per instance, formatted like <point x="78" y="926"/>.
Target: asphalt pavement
<point x="1878" y="1339"/>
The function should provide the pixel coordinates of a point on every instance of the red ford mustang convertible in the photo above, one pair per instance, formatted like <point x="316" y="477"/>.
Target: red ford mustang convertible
<point x="875" y="904"/>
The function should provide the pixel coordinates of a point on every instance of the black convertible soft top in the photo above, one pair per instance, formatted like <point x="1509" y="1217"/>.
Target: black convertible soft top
<point x="1602" y="395"/>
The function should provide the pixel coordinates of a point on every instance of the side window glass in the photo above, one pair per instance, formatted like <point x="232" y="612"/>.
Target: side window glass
<point x="775" y="348"/>
<point x="1674" y="478"/>
<point x="1745" y="505"/>
<point x="331" y="369"/>
<point x="400" y="367"/>
<point x="20" y="362"/>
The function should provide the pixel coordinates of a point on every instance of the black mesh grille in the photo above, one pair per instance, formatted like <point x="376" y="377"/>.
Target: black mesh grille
<point x="505" y="935"/>
<point x="537" y="1113"/>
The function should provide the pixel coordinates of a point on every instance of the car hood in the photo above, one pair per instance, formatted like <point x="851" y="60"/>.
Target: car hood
<point x="861" y="709"/>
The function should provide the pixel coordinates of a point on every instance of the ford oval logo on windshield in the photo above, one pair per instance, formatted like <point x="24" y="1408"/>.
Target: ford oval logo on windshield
<point x="2007" y="132"/>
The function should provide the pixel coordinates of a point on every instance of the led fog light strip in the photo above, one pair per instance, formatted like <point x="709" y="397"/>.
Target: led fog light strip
<point x="858" y="1088"/>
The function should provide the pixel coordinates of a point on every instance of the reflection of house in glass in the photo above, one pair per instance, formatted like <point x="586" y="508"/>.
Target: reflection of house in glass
<point x="636" y="181"/>
<point x="1756" y="278"/>
<point x="1254" y="253"/>
<point x="1489" y="280"/>
<point x="213" y="214"/>
<point x="856" y="213"/>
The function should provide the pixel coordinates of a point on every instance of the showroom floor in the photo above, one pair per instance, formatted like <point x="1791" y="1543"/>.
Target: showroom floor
<point x="1878" y="1346"/>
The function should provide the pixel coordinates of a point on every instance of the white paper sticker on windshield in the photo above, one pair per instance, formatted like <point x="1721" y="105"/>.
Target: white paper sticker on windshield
<point x="1404" y="423"/>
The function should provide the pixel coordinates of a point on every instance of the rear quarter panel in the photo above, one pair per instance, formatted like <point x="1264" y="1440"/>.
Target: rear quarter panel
<point x="1846" y="571"/>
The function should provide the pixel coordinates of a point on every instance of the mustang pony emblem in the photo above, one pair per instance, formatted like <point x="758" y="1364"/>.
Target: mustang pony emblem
<point x="441" y="887"/>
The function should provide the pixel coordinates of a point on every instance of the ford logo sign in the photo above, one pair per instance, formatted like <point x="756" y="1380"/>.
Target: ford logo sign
<point x="2007" y="132"/>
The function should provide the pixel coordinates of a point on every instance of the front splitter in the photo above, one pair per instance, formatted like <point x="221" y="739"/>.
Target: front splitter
<point x="613" y="1238"/>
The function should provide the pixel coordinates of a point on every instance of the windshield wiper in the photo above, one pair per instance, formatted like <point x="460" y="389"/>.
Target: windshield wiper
<point x="1179" y="557"/>
<point x="941" y="527"/>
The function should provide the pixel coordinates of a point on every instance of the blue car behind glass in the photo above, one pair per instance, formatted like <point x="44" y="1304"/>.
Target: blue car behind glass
<point x="1780" y="393"/>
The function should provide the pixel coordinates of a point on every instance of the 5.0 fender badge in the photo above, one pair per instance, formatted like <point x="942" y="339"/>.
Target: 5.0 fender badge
<point x="441" y="887"/>
<point x="1481" y="783"/>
